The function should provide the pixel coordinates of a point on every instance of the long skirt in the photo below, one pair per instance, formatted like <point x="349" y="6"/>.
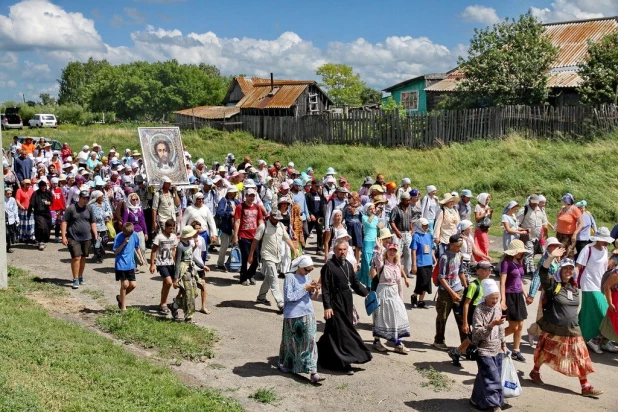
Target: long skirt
<point x="366" y="256"/>
<point x="42" y="228"/>
<point x="299" y="352"/>
<point x="609" y="326"/>
<point x="487" y="391"/>
<point x="591" y="314"/>
<point x="481" y="240"/>
<point x="567" y="355"/>
<point x="390" y="319"/>
<point x="26" y="226"/>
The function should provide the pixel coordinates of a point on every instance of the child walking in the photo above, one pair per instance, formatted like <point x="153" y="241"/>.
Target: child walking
<point x="126" y="245"/>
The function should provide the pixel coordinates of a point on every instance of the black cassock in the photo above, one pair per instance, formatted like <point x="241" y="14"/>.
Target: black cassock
<point x="340" y="345"/>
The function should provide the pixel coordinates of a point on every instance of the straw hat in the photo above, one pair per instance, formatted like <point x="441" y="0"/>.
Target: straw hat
<point x="448" y="197"/>
<point x="515" y="247"/>
<point x="379" y="199"/>
<point x="385" y="234"/>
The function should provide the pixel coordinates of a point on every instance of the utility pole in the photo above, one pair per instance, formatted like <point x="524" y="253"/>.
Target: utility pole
<point x="3" y="260"/>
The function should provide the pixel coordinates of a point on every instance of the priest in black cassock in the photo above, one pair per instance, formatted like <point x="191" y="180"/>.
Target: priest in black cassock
<point x="340" y="345"/>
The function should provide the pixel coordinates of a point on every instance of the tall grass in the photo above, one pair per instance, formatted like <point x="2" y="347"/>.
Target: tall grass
<point x="508" y="169"/>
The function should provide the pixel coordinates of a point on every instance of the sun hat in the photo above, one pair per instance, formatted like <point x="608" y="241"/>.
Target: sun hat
<point x="232" y="189"/>
<point x="377" y="188"/>
<point x="602" y="235"/>
<point x="187" y="232"/>
<point x="248" y="165"/>
<point x="550" y="241"/>
<point x="67" y="165"/>
<point x="406" y="181"/>
<point x="342" y="234"/>
<point x="276" y="214"/>
<point x="47" y="144"/>
<point x="466" y="193"/>
<point x="241" y="171"/>
<point x="581" y="203"/>
<point x="489" y="286"/>
<point x="62" y="177"/>
<point x="533" y="199"/>
<point x="221" y="169"/>
<point x="98" y="181"/>
<point x="249" y="183"/>
<point x="284" y="186"/>
<point x="423" y="222"/>
<point x="384" y="233"/>
<point x="464" y="224"/>
<point x="136" y="153"/>
<point x="515" y="247"/>
<point x="391" y="246"/>
<point x="330" y="171"/>
<point x="448" y="197"/>
<point x="284" y="199"/>
<point x="250" y="192"/>
<point x="298" y="182"/>
<point x="207" y="181"/>
<point x="127" y="168"/>
<point x="369" y="181"/>
<point x="216" y="179"/>
<point x="405" y="195"/>
<point x="166" y="179"/>
<point x="379" y="199"/>
<point x="342" y="189"/>
<point x="567" y="262"/>
<point x="431" y="188"/>
<point x="26" y="181"/>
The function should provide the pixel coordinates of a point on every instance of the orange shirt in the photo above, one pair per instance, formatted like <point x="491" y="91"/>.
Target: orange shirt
<point x="23" y="197"/>
<point x="29" y="148"/>
<point x="567" y="220"/>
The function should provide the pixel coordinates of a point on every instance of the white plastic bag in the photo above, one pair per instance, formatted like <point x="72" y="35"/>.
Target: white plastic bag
<point x="510" y="381"/>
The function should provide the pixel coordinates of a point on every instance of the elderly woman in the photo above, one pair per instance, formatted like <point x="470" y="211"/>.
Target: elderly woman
<point x="102" y="214"/>
<point x="446" y="224"/>
<point x="510" y="224"/>
<point x="404" y="188"/>
<point x="512" y="293"/>
<point x="298" y="352"/>
<point x="570" y="222"/>
<point x="488" y="335"/>
<point x="390" y="319"/>
<point x="430" y="207"/>
<point x="588" y="229"/>
<point x="133" y="213"/>
<point x="561" y="345"/>
<point x="10" y="178"/>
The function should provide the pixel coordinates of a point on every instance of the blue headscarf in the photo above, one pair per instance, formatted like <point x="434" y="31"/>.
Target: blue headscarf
<point x="568" y="199"/>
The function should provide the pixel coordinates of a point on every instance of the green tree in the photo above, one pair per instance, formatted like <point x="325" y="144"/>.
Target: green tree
<point x="341" y="84"/>
<point x="77" y="79"/>
<point x="370" y="96"/>
<point x="390" y="105"/>
<point x="47" y="99"/>
<point x="600" y="72"/>
<point x="507" y="64"/>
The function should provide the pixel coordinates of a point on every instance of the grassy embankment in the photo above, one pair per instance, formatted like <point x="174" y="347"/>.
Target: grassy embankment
<point x="47" y="364"/>
<point x="508" y="169"/>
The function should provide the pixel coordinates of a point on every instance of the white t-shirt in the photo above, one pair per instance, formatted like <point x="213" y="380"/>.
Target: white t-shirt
<point x="165" y="246"/>
<point x="201" y="247"/>
<point x="595" y="267"/>
<point x="83" y="156"/>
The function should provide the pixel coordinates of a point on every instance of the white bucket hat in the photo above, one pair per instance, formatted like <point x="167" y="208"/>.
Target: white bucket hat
<point x="602" y="235"/>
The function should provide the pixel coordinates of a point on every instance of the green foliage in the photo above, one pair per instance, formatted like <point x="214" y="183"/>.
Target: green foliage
<point x="391" y="105"/>
<point x="370" y="96"/>
<point x="439" y="381"/>
<point x="507" y="64"/>
<point x="264" y="395"/>
<point x="141" y="90"/>
<point x="47" y="364"/>
<point x="168" y="337"/>
<point x="600" y="72"/>
<point x="47" y="99"/>
<point x="341" y="84"/>
<point x="65" y="113"/>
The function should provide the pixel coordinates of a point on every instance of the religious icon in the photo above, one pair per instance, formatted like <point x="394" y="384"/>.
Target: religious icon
<point x="163" y="154"/>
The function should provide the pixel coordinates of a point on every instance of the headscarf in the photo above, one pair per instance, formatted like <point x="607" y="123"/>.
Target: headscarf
<point x="542" y="198"/>
<point x="489" y="286"/>
<point x="303" y="261"/>
<point x="463" y="225"/>
<point x="366" y="208"/>
<point x="568" y="199"/>
<point x="482" y="198"/>
<point x="95" y="195"/>
<point x="391" y="185"/>
<point x="509" y="206"/>
<point x="133" y="208"/>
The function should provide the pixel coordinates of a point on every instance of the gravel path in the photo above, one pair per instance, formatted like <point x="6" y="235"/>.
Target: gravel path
<point x="250" y="335"/>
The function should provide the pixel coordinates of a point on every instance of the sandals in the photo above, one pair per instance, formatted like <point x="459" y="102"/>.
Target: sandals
<point x="316" y="378"/>
<point x="536" y="378"/>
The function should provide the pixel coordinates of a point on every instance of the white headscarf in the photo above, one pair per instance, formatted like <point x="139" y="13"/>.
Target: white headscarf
<point x="489" y="286"/>
<point x="303" y="261"/>
<point x="482" y="198"/>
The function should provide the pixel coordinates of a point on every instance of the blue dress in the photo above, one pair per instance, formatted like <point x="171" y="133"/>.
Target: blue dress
<point x="370" y="230"/>
<point x="354" y="226"/>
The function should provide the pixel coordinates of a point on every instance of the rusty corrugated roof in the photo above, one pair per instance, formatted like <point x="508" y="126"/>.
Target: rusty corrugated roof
<point x="446" y="85"/>
<point x="211" y="112"/>
<point x="568" y="78"/>
<point x="284" y="96"/>
<point x="572" y="38"/>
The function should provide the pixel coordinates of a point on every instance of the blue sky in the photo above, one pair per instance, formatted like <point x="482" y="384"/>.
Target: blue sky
<point x="386" y="42"/>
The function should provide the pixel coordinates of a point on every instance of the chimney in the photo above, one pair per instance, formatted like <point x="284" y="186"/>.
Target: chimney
<point x="272" y="82"/>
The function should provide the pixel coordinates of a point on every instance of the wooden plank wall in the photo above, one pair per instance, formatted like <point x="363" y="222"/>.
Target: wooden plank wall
<point x="424" y="130"/>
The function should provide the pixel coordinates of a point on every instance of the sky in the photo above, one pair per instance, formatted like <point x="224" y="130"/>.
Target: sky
<point x="385" y="41"/>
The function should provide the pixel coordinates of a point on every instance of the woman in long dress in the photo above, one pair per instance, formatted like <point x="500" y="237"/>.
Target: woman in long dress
<point x="299" y="352"/>
<point x="390" y="319"/>
<point x="371" y="225"/>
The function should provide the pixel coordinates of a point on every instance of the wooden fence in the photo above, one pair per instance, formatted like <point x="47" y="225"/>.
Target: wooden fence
<point x="424" y="130"/>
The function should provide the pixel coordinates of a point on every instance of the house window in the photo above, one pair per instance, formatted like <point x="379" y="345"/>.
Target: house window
<point x="409" y="100"/>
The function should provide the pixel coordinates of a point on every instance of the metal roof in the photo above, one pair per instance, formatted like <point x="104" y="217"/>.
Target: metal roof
<point x="211" y="112"/>
<point x="283" y="96"/>
<point x="563" y="79"/>
<point x="431" y="76"/>
<point x="572" y="38"/>
<point x="446" y="85"/>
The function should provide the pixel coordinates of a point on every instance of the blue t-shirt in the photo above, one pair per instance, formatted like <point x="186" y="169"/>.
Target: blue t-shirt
<point x="423" y="244"/>
<point x="125" y="260"/>
<point x="370" y="229"/>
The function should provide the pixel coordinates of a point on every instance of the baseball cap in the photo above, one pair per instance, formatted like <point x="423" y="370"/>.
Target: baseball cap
<point x="84" y="193"/>
<point x="250" y="192"/>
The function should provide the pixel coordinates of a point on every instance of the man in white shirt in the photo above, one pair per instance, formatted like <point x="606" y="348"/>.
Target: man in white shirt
<point x="272" y="233"/>
<point x="532" y="218"/>
<point x="199" y="212"/>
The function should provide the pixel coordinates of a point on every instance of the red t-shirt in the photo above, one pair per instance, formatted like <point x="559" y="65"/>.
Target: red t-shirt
<point x="57" y="200"/>
<point x="249" y="218"/>
<point x="23" y="197"/>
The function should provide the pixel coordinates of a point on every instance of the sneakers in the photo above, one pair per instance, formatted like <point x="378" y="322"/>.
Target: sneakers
<point x="589" y="391"/>
<point x="609" y="347"/>
<point x="531" y="340"/>
<point x="75" y="284"/>
<point x="81" y="280"/>
<point x="536" y="377"/>
<point x="413" y="300"/>
<point x="41" y="246"/>
<point x="263" y="301"/>
<point x="441" y="346"/>
<point x="455" y="355"/>
<point x="516" y="355"/>
<point x="401" y="349"/>
<point x="245" y="283"/>
<point x="251" y="281"/>
<point x="421" y="305"/>
<point x="378" y="347"/>
<point x="594" y="346"/>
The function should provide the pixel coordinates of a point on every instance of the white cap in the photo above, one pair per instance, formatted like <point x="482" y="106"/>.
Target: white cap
<point x="166" y="179"/>
<point x="291" y="164"/>
<point x="250" y="192"/>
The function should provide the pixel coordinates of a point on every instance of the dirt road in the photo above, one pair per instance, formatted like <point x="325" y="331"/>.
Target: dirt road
<point x="250" y="334"/>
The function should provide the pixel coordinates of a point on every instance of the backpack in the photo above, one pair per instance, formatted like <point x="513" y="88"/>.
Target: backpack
<point x="435" y="274"/>
<point x="459" y="308"/>
<point x="234" y="260"/>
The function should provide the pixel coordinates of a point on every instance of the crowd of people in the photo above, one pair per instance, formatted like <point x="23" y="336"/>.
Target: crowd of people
<point x="377" y="238"/>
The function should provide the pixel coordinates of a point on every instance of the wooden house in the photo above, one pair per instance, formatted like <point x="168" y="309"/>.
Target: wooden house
<point x="411" y="93"/>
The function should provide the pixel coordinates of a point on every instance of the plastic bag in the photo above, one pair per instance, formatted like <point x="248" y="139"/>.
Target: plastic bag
<point x="510" y="381"/>
<point x="111" y="232"/>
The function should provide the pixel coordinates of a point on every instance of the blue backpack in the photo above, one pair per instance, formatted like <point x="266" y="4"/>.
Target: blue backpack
<point x="233" y="260"/>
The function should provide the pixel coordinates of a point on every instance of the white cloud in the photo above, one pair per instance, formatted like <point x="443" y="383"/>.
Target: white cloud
<point x="36" y="72"/>
<point x="9" y="60"/>
<point x="481" y="14"/>
<point x="39" y="24"/>
<point x="10" y="83"/>
<point x="564" y="10"/>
